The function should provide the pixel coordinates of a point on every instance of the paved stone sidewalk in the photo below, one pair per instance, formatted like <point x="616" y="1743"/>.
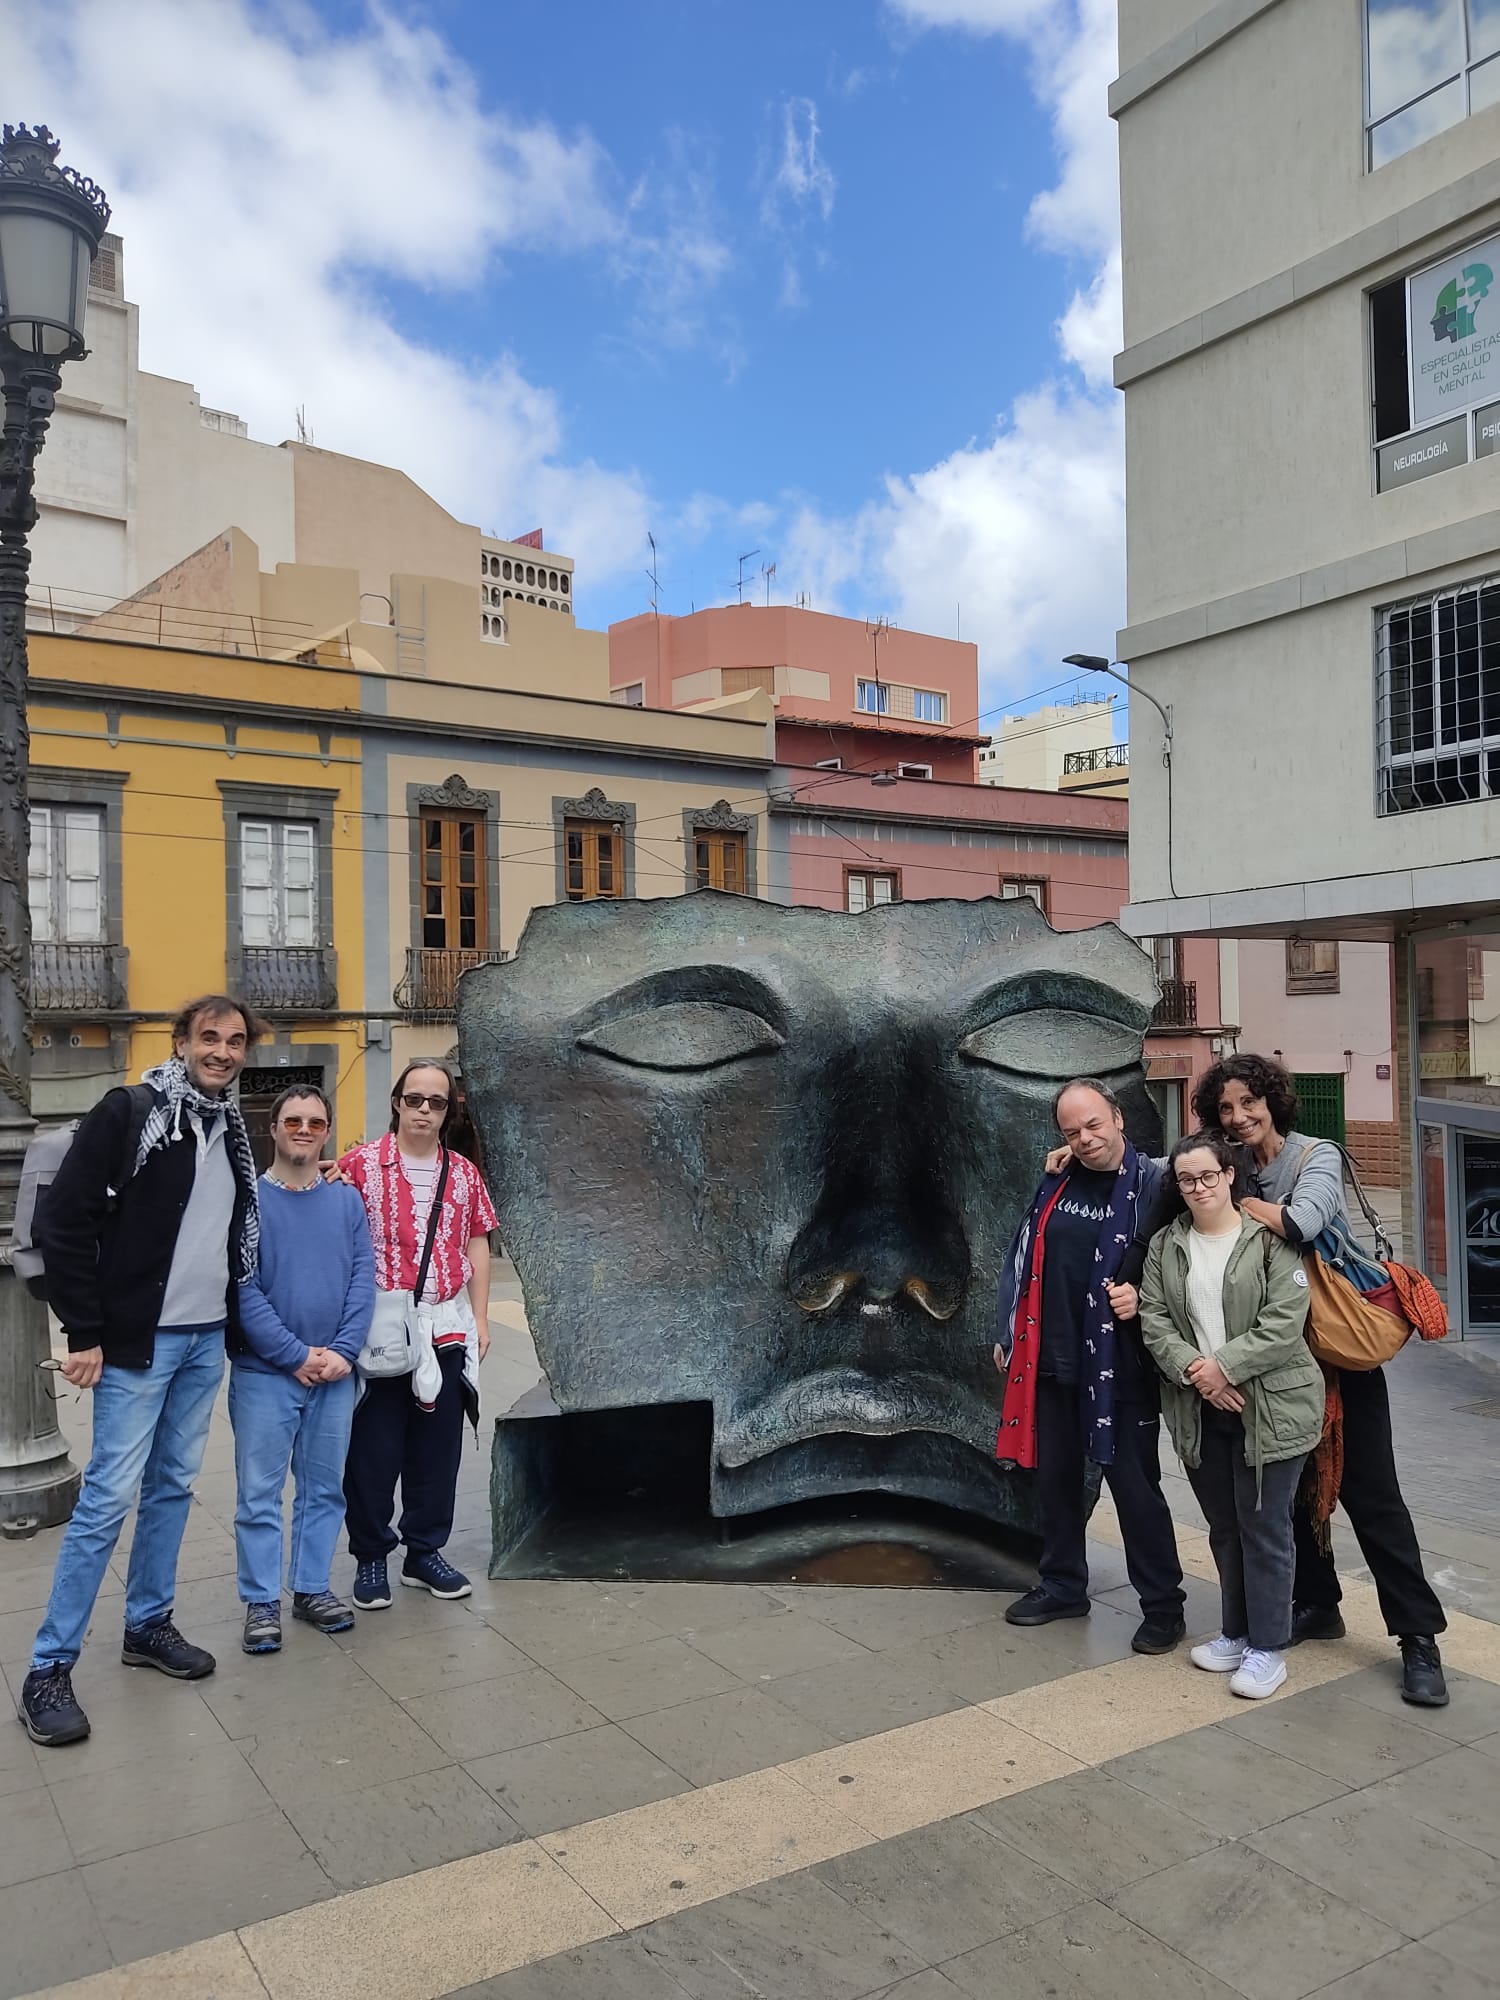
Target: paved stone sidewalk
<point x="645" y="1791"/>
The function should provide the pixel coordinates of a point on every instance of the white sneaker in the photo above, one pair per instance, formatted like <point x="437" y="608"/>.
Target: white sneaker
<point x="1261" y="1674"/>
<point x="1221" y="1655"/>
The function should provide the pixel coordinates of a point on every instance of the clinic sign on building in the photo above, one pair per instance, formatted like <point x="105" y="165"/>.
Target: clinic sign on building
<point x="1453" y="336"/>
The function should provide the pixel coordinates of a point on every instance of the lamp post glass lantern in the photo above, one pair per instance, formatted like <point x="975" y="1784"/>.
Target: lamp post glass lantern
<point x="51" y="220"/>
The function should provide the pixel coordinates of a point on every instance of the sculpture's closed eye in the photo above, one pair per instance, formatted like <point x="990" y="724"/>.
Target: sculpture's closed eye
<point x="1054" y="1043"/>
<point x="683" y="1034"/>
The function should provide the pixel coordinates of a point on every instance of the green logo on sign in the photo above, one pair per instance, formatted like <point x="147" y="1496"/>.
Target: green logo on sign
<point x="1458" y="301"/>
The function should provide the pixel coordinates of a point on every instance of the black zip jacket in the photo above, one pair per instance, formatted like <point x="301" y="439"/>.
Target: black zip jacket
<point x="108" y="1248"/>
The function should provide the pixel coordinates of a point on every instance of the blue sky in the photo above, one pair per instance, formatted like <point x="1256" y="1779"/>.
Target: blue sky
<point x="834" y="282"/>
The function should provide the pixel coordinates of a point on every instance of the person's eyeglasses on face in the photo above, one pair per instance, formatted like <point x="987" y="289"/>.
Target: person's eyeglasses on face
<point x="415" y="1101"/>
<point x="296" y="1124"/>
<point x="1208" y="1182"/>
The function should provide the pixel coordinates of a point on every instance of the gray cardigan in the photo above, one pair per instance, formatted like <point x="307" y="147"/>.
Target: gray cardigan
<point x="1313" y="1197"/>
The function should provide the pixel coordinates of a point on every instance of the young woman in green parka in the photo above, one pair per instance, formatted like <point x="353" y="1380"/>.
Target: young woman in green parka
<point x="1223" y="1306"/>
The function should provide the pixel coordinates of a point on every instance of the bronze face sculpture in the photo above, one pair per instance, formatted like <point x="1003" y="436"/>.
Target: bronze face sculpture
<point x="769" y="1159"/>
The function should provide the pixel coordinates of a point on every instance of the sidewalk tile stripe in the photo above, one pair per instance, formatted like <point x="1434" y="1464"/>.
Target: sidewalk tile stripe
<point x="927" y="1771"/>
<point x="655" y="1859"/>
<point x="429" y="1933"/>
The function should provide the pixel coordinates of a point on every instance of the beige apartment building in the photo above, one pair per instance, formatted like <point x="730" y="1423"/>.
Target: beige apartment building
<point x="137" y="470"/>
<point x="1311" y="373"/>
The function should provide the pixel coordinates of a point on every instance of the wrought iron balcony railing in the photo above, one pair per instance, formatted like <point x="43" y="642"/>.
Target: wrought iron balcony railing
<point x="78" y="978"/>
<point x="427" y="990"/>
<point x="288" y="978"/>
<point x="1178" y="1005"/>
<point x="1108" y="757"/>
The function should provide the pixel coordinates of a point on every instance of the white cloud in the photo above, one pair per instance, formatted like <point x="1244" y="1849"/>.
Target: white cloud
<point x="803" y="179"/>
<point x="1024" y="528"/>
<point x="270" y="177"/>
<point x="1021" y="530"/>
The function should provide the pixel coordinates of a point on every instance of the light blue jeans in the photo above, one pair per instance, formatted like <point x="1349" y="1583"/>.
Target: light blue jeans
<point x="150" y="1430"/>
<point x="280" y="1422"/>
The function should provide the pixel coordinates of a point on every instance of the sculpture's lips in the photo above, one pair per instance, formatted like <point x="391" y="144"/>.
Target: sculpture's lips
<point x="848" y="1400"/>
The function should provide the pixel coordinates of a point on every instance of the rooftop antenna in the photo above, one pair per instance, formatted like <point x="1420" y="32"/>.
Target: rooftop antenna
<point x="804" y="602"/>
<point x="748" y="556"/>
<point x="304" y="435"/>
<point x="878" y="629"/>
<point x="655" y="580"/>
<point x="768" y="573"/>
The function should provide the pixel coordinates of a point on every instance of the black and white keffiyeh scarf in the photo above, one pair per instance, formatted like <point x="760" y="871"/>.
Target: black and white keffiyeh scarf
<point x="164" y="1125"/>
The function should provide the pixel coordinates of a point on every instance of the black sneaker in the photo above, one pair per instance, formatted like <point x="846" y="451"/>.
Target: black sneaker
<point x="1040" y="1607"/>
<point x="1316" y="1621"/>
<point x="49" y="1707"/>
<point x="1158" y="1635"/>
<point x="431" y="1571"/>
<point x="262" y="1629"/>
<point x="322" y="1609"/>
<point x="163" y="1647"/>
<point x="372" y="1587"/>
<point x="1422" y="1682"/>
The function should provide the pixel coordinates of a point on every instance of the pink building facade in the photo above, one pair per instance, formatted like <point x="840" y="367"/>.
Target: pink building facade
<point x="875" y="797"/>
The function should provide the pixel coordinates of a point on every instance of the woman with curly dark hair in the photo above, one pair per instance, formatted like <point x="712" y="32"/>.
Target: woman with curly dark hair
<point x="1296" y="1190"/>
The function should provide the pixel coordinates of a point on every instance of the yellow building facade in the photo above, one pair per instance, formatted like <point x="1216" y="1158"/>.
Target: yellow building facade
<point x="238" y="783"/>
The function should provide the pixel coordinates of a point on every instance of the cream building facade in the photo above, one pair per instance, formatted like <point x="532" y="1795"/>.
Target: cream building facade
<point x="1031" y="749"/>
<point x="137" y="470"/>
<point x="1313" y="524"/>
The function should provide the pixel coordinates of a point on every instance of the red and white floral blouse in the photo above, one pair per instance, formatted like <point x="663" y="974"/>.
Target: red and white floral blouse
<point x="376" y="1171"/>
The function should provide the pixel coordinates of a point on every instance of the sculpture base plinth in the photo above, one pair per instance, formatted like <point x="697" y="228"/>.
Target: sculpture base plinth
<point x="615" y="1494"/>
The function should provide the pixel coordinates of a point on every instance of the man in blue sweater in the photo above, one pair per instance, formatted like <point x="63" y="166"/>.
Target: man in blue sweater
<point x="303" y="1318"/>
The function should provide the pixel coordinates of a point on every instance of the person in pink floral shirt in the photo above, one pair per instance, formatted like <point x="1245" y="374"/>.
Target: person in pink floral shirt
<point x="395" y="1436"/>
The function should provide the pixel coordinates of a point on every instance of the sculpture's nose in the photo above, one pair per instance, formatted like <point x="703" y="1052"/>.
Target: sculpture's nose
<point x="885" y="1226"/>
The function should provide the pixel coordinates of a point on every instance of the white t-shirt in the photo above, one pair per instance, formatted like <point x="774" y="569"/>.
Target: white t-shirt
<point x="422" y="1178"/>
<point x="1208" y="1260"/>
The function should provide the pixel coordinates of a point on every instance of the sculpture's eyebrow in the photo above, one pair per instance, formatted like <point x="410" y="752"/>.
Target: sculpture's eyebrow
<point x="1063" y="992"/>
<point x="726" y="985"/>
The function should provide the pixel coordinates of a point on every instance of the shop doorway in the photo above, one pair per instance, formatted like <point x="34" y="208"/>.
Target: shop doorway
<point x="1321" y="1096"/>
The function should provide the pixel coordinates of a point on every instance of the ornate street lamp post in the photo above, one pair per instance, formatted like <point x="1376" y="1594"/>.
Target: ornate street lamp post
<point x="51" y="220"/>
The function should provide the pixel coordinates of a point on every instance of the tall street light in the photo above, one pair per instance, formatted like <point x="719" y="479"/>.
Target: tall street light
<point x="51" y="220"/>
<point x="1095" y="663"/>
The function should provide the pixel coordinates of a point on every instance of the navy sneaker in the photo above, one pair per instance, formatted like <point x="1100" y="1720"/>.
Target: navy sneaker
<point x="262" y="1629"/>
<point x="431" y="1571"/>
<point x="322" y="1609"/>
<point x="372" y="1587"/>
<point x="163" y="1647"/>
<point x="49" y="1707"/>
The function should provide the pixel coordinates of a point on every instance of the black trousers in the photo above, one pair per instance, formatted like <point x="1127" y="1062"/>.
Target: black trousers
<point x="1134" y="1481"/>
<point x="1371" y="1497"/>
<point x="393" y="1438"/>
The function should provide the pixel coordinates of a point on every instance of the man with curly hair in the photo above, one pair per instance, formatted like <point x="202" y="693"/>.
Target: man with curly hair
<point x="1297" y="1189"/>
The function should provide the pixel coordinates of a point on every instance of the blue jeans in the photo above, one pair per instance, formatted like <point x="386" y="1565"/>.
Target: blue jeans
<point x="150" y="1430"/>
<point x="280" y="1422"/>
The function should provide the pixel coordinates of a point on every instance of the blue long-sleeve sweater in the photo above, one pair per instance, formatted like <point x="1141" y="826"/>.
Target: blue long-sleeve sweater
<point x="315" y="1283"/>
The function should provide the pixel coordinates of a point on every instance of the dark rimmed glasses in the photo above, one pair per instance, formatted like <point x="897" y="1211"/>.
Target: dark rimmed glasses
<point x="1208" y="1182"/>
<point x="415" y="1101"/>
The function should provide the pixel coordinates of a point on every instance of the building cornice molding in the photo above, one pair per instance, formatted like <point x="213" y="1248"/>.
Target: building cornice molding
<point x="1373" y="906"/>
<point x="1181" y="50"/>
<point x="355" y="724"/>
<point x="1396" y="567"/>
<point x="1460" y="209"/>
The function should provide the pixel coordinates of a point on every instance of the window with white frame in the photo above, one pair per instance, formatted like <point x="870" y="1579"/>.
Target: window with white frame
<point x="868" y="888"/>
<point x="913" y="770"/>
<point x="872" y="697"/>
<point x="927" y="705"/>
<point x="1035" y="888"/>
<point x="66" y="874"/>
<point x="1437" y="690"/>
<point x="1428" y="64"/>
<point x="278" y="882"/>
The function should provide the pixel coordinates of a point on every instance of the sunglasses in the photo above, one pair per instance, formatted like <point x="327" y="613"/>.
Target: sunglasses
<point x="415" y="1101"/>
<point x="295" y="1124"/>
<point x="1208" y="1182"/>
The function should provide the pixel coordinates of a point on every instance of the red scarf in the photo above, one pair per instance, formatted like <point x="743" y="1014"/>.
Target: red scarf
<point x="1016" y="1440"/>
